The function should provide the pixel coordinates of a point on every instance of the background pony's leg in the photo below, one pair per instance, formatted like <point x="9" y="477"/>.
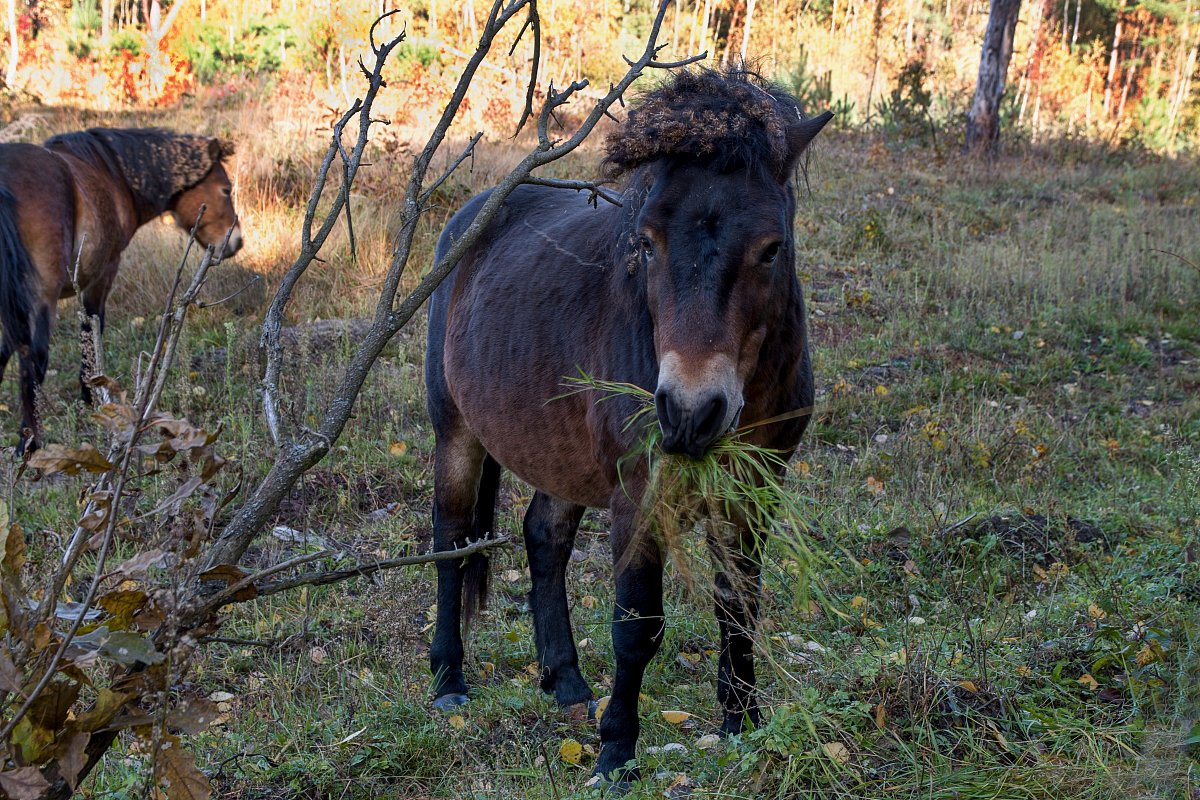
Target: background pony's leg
<point x="737" y="590"/>
<point x="550" y="527"/>
<point x="5" y="354"/>
<point x="458" y="465"/>
<point x="637" y="631"/>
<point x="94" y="299"/>
<point x="35" y="358"/>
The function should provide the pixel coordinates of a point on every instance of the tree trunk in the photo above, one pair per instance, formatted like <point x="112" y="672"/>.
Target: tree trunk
<point x="14" y="44"/>
<point x="1112" y="61"/>
<point x="746" y="30"/>
<point x="983" y="121"/>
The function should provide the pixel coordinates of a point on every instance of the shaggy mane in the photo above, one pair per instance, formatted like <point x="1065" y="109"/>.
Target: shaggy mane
<point x="155" y="163"/>
<point x="731" y="118"/>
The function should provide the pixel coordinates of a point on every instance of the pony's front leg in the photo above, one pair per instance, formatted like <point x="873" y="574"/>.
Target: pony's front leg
<point x="737" y="591"/>
<point x="638" y="625"/>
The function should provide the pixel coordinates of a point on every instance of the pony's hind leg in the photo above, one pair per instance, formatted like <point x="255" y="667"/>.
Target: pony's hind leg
<point x="550" y="527"/>
<point x="458" y="466"/>
<point x="5" y="354"/>
<point x="35" y="359"/>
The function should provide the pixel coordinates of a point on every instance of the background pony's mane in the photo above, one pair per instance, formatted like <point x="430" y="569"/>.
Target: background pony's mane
<point x="731" y="118"/>
<point x="156" y="163"/>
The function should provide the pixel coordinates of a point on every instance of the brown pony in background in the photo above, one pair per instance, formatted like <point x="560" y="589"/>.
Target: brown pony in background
<point x="79" y="199"/>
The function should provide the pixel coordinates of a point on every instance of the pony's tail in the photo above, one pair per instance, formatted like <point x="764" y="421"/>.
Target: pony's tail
<point x="16" y="268"/>
<point x="477" y="570"/>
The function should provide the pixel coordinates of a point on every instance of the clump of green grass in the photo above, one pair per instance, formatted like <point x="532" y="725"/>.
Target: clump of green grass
<point x="735" y="486"/>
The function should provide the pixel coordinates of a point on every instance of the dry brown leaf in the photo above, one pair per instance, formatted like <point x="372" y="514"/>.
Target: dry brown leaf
<point x="24" y="783"/>
<point x="837" y="752"/>
<point x="71" y="757"/>
<point x="179" y="776"/>
<point x="55" y="458"/>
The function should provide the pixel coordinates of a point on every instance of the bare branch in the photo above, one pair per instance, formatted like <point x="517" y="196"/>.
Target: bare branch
<point x="227" y="298"/>
<point x="594" y="190"/>
<point x="335" y="576"/>
<point x="532" y="21"/>
<point x="468" y="152"/>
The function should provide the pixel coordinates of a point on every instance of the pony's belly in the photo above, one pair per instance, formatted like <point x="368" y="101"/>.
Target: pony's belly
<point x="553" y="453"/>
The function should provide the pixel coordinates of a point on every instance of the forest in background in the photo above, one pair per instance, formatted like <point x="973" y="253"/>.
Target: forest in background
<point x="1111" y="71"/>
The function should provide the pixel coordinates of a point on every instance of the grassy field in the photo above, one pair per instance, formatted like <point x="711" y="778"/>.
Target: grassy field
<point x="1003" y="486"/>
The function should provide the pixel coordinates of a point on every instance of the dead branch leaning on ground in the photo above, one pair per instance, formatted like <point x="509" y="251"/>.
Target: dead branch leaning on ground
<point x="300" y="448"/>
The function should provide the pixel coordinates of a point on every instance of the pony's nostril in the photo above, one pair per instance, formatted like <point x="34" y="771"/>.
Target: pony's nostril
<point x="710" y="420"/>
<point x="668" y="415"/>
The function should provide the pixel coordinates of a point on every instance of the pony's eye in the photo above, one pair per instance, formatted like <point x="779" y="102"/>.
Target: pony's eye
<point x="770" y="254"/>
<point x="226" y="191"/>
<point x="647" y="247"/>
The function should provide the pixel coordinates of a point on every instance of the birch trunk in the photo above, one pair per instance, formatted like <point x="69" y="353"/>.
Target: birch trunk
<point x="983" y="121"/>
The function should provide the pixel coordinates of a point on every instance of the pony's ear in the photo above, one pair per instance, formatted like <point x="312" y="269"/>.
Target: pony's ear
<point x="799" y="136"/>
<point x="220" y="149"/>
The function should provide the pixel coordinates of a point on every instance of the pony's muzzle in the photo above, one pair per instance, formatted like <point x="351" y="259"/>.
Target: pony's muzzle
<point x="698" y="401"/>
<point x="235" y="241"/>
<point x="690" y="429"/>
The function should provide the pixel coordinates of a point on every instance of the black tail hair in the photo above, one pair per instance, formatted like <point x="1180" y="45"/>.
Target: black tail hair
<point x="16" y="271"/>
<point x="477" y="570"/>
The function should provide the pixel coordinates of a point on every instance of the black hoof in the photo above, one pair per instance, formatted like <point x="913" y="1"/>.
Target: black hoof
<point x="449" y="702"/>
<point x="593" y="707"/>
<point x="736" y="723"/>
<point x="616" y="786"/>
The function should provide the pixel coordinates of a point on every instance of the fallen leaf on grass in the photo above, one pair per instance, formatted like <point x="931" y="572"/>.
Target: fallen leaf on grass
<point x="570" y="751"/>
<point x="25" y="783"/>
<point x="837" y="752"/>
<point x="602" y="706"/>
<point x="676" y="717"/>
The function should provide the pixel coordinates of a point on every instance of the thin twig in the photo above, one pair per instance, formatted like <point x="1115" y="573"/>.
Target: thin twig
<point x="335" y="576"/>
<point x="594" y="190"/>
<point x="468" y="152"/>
<point x="227" y="298"/>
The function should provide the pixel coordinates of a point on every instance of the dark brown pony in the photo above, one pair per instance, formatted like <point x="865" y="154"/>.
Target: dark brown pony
<point x="689" y="290"/>
<point x="83" y="196"/>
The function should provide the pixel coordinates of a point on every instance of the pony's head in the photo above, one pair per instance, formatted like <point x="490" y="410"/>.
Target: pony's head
<point x="712" y="155"/>
<point x="214" y="191"/>
<point x="165" y="171"/>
